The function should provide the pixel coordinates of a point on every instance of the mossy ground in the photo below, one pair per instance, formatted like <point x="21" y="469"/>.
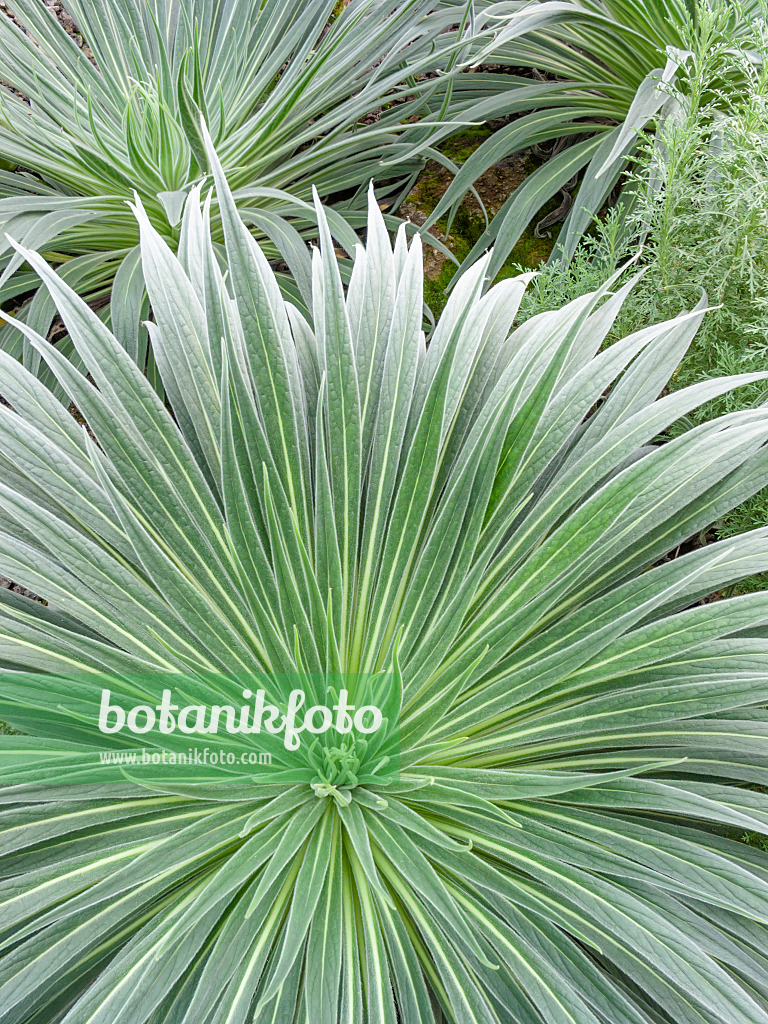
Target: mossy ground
<point x="468" y="224"/>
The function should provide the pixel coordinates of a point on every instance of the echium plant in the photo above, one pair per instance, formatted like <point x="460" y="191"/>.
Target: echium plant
<point x="294" y="93"/>
<point x="473" y="521"/>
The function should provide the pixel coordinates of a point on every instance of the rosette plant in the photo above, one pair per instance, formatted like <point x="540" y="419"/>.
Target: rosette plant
<point x="599" y="73"/>
<point x="472" y="521"/>
<point x="294" y="95"/>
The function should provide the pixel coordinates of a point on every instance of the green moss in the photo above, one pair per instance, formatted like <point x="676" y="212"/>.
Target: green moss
<point x="528" y="254"/>
<point x="468" y="225"/>
<point x="460" y="148"/>
<point x="434" y="289"/>
<point x="466" y="229"/>
<point x="427" y="191"/>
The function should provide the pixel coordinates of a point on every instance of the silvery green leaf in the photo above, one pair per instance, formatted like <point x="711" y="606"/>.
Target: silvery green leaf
<point x="463" y="537"/>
